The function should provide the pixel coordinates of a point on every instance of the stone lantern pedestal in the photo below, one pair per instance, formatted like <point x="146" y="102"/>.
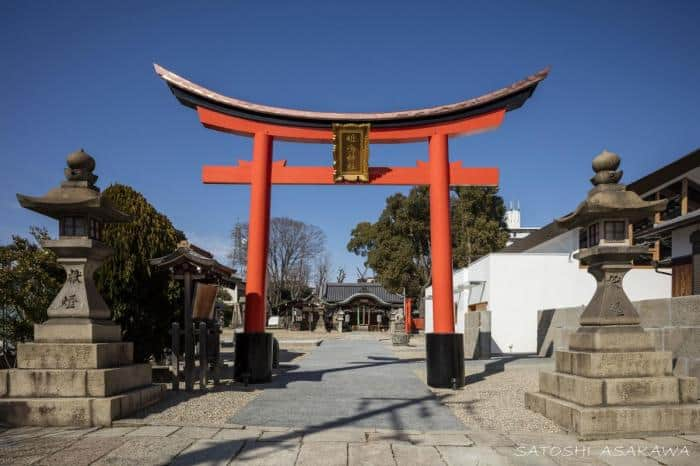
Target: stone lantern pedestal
<point x="611" y="382"/>
<point x="77" y="372"/>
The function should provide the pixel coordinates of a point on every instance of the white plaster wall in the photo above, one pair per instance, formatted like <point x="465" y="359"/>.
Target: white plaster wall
<point x="520" y="284"/>
<point x="680" y="241"/>
<point x="429" y="309"/>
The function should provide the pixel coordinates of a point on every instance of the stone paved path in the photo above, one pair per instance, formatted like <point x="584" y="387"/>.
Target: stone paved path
<point x="271" y="446"/>
<point x="350" y="383"/>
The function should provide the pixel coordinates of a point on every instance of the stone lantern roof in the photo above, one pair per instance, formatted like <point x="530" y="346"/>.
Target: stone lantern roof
<point x="78" y="195"/>
<point x="610" y="199"/>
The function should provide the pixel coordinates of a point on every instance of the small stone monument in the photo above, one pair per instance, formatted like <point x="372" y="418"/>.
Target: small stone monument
<point x="611" y="382"/>
<point x="77" y="371"/>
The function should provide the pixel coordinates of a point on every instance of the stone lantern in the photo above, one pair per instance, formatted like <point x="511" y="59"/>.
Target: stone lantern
<point x="78" y="313"/>
<point x="611" y="382"/>
<point x="77" y="371"/>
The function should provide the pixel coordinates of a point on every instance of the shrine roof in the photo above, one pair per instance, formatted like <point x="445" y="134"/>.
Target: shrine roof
<point x="342" y="293"/>
<point x="187" y="253"/>
<point x="194" y="95"/>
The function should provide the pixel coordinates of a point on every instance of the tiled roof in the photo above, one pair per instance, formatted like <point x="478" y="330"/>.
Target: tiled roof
<point x="337" y="292"/>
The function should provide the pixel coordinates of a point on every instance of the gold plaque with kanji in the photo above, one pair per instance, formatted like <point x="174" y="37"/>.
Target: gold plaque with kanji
<point x="351" y="152"/>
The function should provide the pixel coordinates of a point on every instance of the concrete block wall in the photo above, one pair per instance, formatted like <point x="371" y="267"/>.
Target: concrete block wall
<point x="477" y="335"/>
<point x="674" y="322"/>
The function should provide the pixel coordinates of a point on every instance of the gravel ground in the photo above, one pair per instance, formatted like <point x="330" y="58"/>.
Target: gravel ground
<point x="489" y="401"/>
<point x="217" y="404"/>
<point x="212" y="407"/>
<point x="497" y="402"/>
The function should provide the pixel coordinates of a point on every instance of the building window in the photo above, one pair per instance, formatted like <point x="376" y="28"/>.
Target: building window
<point x="593" y="235"/>
<point x="615" y="230"/>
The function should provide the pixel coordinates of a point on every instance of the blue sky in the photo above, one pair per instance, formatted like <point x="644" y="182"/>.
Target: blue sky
<point x="79" y="74"/>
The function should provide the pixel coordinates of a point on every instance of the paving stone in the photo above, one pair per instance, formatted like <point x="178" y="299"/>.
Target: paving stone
<point x="83" y="452"/>
<point x="153" y="431"/>
<point x="470" y="456"/>
<point x="516" y="457"/>
<point x="530" y="439"/>
<point x="323" y="453"/>
<point x="145" y="450"/>
<point x="20" y="433"/>
<point x="237" y="434"/>
<point x="71" y="432"/>
<point x="196" y="432"/>
<point x="111" y="432"/>
<point x="627" y="460"/>
<point x="392" y="437"/>
<point x="415" y="455"/>
<point x="267" y="454"/>
<point x="377" y="453"/>
<point x="671" y="441"/>
<point x="458" y="440"/>
<point x="207" y="452"/>
<point x="30" y="450"/>
<point x="485" y="438"/>
<point x="291" y="436"/>
<point x="692" y="437"/>
<point x="269" y="428"/>
<point x="336" y="435"/>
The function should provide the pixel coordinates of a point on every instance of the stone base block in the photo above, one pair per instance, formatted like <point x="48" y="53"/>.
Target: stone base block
<point x="599" y="365"/>
<point x="77" y="331"/>
<point x="591" y="423"/>
<point x="611" y="339"/>
<point x="400" y="339"/>
<point x="74" y="355"/>
<point x="688" y="387"/>
<point x="581" y="390"/>
<point x="31" y="383"/>
<point x="84" y="412"/>
<point x="612" y="392"/>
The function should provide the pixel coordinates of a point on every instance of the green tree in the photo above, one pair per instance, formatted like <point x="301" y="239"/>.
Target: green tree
<point x="478" y="226"/>
<point x="397" y="245"/>
<point x="30" y="278"/>
<point x="143" y="300"/>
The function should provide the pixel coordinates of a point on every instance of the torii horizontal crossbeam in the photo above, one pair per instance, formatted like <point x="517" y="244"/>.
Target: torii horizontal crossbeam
<point x="282" y="174"/>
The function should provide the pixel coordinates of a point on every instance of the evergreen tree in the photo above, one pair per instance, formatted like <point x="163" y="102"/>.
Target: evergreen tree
<point x="478" y="225"/>
<point x="30" y="278"/>
<point x="397" y="245"/>
<point x="143" y="300"/>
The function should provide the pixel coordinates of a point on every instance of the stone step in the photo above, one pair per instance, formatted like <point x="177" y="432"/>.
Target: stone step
<point x="83" y="412"/>
<point x="74" y="355"/>
<point x="606" y="422"/>
<point x="632" y="364"/>
<point x="21" y="383"/>
<point x="612" y="391"/>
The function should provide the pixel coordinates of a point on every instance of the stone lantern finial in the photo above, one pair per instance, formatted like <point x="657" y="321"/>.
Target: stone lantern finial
<point x="605" y="167"/>
<point x="80" y="167"/>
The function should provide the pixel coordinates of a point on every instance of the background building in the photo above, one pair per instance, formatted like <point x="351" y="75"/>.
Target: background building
<point x="368" y="305"/>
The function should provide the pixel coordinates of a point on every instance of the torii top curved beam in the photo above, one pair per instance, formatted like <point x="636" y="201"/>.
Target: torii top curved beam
<point x="238" y="116"/>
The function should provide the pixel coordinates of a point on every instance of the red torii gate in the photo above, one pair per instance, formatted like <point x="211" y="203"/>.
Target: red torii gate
<point x="444" y="348"/>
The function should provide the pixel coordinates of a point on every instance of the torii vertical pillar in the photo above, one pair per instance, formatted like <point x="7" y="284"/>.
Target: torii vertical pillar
<point x="444" y="348"/>
<point x="253" y="348"/>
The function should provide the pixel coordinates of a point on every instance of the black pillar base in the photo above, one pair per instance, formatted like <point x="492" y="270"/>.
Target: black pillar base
<point x="253" y="357"/>
<point x="444" y="360"/>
